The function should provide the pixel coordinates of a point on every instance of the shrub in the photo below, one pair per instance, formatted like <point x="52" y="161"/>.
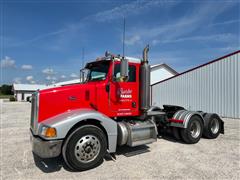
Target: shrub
<point x="12" y="98"/>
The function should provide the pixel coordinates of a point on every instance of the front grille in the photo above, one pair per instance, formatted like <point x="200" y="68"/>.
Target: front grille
<point x="34" y="111"/>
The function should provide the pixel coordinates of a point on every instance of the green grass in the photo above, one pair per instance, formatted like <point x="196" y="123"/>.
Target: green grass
<point x="5" y="96"/>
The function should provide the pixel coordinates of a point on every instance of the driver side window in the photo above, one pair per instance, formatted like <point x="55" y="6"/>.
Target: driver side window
<point x="131" y="73"/>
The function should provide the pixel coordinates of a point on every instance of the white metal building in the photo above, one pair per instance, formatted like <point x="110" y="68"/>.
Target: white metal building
<point x="63" y="83"/>
<point x="22" y="91"/>
<point x="211" y="87"/>
<point x="160" y="72"/>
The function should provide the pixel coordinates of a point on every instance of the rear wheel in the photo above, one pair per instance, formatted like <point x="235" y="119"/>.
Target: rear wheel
<point x="212" y="126"/>
<point x="193" y="132"/>
<point x="85" y="148"/>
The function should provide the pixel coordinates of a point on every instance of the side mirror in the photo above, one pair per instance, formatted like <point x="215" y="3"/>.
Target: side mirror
<point x="124" y="69"/>
<point x="83" y="75"/>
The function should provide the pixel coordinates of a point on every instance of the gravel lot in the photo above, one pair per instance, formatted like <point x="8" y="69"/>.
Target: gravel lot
<point x="209" y="159"/>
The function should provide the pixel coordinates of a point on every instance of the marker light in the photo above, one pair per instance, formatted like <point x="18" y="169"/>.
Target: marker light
<point x="49" y="132"/>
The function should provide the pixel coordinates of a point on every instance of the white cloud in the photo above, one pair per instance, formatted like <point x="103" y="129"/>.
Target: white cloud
<point x="26" y="67"/>
<point x="225" y="22"/>
<point x="128" y="9"/>
<point x="182" y="26"/>
<point x="73" y="75"/>
<point x="133" y="40"/>
<point x="227" y="37"/>
<point x="29" y="78"/>
<point x="228" y="48"/>
<point x="7" y="62"/>
<point x="155" y="42"/>
<point x="132" y="8"/>
<point x="54" y="78"/>
<point x="48" y="78"/>
<point x="17" y="80"/>
<point x="63" y="76"/>
<point x="48" y="71"/>
<point x="33" y="82"/>
<point x="51" y="78"/>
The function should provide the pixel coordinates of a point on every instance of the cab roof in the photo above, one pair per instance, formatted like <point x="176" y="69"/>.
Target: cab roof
<point x="118" y="58"/>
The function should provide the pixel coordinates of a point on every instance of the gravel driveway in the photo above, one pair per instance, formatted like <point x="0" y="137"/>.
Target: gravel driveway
<point x="168" y="159"/>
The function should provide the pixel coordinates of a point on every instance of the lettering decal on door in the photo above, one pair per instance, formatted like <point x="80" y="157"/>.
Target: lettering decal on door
<point x="125" y="94"/>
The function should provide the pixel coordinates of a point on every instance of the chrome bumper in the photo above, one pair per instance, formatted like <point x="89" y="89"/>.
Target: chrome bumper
<point x="45" y="149"/>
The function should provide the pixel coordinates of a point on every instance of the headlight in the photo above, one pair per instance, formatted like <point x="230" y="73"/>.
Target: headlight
<point x="48" y="132"/>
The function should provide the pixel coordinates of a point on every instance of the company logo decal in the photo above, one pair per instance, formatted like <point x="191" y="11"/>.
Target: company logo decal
<point x="125" y="93"/>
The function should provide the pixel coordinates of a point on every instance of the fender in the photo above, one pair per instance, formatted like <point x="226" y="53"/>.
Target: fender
<point x="154" y="108"/>
<point x="154" y="111"/>
<point x="65" y="121"/>
<point x="183" y="117"/>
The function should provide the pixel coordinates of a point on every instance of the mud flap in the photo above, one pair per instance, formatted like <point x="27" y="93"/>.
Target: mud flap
<point x="222" y="127"/>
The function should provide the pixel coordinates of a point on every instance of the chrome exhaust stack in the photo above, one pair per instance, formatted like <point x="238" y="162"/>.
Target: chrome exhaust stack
<point x="145" y="54"/>
<point x="145" y="81"/>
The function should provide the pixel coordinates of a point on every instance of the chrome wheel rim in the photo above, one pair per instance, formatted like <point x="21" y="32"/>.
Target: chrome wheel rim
<point x="214" y="126"/>
<point x="195" y="129"/>
<point x="87" y="148"/>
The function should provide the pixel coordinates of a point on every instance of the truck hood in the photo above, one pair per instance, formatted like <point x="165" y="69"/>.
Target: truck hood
<point x="57" y="100"/>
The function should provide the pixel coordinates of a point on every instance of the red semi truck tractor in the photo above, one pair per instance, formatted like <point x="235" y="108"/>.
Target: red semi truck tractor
<point x="109" y="108"/>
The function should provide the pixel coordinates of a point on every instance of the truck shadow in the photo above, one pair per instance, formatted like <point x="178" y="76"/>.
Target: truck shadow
<point x="168" y="136"/>
<point x="50" y="165"/>
<point x="127" y="152"/>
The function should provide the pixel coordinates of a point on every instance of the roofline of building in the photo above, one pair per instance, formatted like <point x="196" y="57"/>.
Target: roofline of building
<point x="197" y="67"/>
<point x="39" y="86"/>
<point x="166" y="66"/>
<point x="25" y="90"/>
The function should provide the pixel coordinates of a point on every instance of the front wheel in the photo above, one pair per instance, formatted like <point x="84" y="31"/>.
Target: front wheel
<point x="85" y="148"/>
<point x="194" y="130"/>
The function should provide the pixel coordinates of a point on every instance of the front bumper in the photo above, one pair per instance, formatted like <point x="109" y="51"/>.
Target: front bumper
<point x="45" y="148"/>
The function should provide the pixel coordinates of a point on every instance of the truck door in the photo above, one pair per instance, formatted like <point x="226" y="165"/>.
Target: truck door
<point x="124" y="95"/>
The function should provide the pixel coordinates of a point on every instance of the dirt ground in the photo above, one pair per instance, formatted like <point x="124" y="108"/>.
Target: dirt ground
<point x="165" y="159"/>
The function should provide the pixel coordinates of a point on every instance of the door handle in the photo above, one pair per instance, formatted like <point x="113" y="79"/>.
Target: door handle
<point x="107" y="87"/>
<point x="134" y="104"/>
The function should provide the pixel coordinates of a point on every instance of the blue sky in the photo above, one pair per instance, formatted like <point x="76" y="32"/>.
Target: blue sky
<point x="42" y="41"/>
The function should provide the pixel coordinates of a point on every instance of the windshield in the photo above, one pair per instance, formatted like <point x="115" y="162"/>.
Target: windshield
<point x="95" y="71"/>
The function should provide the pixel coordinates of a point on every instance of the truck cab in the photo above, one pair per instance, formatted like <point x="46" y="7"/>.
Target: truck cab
<point x="101" y="89"/>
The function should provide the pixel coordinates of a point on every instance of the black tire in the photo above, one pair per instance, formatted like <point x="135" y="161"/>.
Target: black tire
<point x="186" y="133"/>
<point x="71" y="151"/>
<point x="212" y="126"/>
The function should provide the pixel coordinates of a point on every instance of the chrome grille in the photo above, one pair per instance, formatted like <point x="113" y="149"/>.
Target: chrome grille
<point x="34" y="112"/>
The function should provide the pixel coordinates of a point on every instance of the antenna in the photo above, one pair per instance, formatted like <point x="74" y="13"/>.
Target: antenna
<point x="124" y="62"/>
<point x="83" y="57"/>
<point x="123" y="37"/>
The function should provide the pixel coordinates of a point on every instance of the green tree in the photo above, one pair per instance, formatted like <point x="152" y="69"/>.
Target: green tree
<point x="6" y="89"/>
